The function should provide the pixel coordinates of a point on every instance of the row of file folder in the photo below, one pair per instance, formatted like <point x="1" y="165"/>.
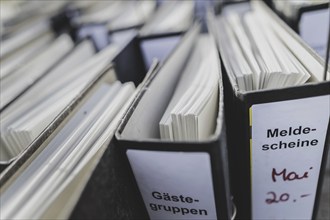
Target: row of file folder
<point x="228" y="123"/>
<point x="251" y="117"/>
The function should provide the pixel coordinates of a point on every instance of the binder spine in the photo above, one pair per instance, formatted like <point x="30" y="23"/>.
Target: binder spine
<point x="178" y="181"/>
<point x="239" y="109"/>
<point x="313" y="131"/>
<point x="286" y="156"/>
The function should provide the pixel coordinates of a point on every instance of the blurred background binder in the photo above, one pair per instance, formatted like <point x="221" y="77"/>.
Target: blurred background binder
<point x="307" y="18"/>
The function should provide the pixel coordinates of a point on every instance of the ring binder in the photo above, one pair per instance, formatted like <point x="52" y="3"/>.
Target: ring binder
<point x="168" y="174"/>
<point x="277" y="176"/>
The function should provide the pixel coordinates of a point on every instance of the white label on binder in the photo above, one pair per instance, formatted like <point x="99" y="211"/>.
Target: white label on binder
<point x="158" y="48"/>
<point x="288" y="139"/>
<point x="316" y="21"/>
<point x="174" y="185"/>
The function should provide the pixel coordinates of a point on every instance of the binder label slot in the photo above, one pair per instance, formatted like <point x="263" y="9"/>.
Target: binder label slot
<point x="288" y="139"/>
<point x="174" y="185"/>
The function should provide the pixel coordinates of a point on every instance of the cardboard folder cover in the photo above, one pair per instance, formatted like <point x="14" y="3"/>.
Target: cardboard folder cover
<point x="278" y="144"/>
<point x="174" y="180"/>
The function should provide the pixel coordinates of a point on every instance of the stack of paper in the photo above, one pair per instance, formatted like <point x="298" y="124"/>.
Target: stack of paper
<point x="32" y="194"/>
<point x="16" y="58"/>
<point x="18" y="81"/>
<point x="172" y="16"/>
<point x="16" y="16"/>
<point x="192" y="111"/>
<point x="26" y="118"/>
<point x="29" y="33"/>
<point x="257" y="55"/>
